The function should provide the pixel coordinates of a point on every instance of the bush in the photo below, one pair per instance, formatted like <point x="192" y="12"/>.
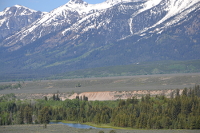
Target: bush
<point x="112" y="131"/>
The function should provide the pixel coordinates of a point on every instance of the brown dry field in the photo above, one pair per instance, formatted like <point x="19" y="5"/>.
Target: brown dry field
<point x="126" y="83"/>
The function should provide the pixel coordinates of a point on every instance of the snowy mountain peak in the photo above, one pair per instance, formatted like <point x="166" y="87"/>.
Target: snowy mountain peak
<point x="19" y="6"/>
<point x="17" y="10"/>
<point x="83" y="7"/>
<point x="113" y="2"/>
<point x="116" y="1"/>
<point x="76" y="1"/>
<point x="22" y="7"/>
<point x="16" y="17"/>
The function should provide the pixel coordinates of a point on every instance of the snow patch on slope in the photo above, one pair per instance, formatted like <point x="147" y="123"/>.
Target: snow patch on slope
<point x="174" y="7"/>
<point x="148" y="5"/>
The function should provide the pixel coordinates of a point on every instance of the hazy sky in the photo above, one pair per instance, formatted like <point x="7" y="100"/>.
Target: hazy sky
<point x="40" y="5"/>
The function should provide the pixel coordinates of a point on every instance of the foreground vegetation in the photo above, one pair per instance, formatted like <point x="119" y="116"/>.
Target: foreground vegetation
<point x="181" y="111"/>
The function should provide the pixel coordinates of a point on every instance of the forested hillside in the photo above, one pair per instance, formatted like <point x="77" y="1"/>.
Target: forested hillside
<point x="181" y="111"/>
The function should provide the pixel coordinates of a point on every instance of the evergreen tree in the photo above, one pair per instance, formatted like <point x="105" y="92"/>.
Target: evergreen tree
<point x="28" y="115"/>
<point x="54" y="97"/>
<point x="44" y="116"/>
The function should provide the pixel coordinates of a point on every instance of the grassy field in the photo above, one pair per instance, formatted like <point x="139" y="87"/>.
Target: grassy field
<point x="143" y="68"/>
<point x="66" y="129"/>
<point x="121" y="83"/>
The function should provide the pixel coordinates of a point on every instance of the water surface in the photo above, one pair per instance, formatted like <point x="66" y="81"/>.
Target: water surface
<point x="75" y="125"/>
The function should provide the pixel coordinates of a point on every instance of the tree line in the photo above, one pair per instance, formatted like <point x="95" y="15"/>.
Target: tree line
<point x="181" y="111"/>
<point x="10" y="86"/>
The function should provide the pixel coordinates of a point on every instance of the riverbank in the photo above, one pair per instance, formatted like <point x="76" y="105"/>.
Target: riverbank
<point x="110" y="127"/>
<point x="106" y="126"/>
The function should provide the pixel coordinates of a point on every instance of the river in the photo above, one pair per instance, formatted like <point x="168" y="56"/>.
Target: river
<point x="75" y="125"/>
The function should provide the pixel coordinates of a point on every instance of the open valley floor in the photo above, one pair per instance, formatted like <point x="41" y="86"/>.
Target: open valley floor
<point x="107" y="88"/>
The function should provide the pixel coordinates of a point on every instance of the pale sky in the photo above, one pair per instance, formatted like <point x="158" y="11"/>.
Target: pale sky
<point x="40" y="5"/>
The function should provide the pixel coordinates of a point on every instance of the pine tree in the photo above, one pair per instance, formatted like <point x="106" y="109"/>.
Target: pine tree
<point x="54" y="97"/>
<point x="45" y="98"/>
<point x="28" y="115"/>
<point x="44" y="116"/>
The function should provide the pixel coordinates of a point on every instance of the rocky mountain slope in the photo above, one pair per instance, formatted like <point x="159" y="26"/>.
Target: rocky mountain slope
<point x="79" y="35"/>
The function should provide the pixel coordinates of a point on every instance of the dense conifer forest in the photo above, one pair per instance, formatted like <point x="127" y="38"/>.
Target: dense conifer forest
<point x="180" y="111"/>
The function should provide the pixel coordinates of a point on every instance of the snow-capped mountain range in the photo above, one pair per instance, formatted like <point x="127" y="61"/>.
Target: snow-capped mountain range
<point x="75" y="31"/>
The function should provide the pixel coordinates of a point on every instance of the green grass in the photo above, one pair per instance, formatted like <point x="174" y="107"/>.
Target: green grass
<point x="72" y="60"/>
<point x="64" y="121"/>
<point x="145" y="68"/>
<point x="66" y="129"/>
<point x="107" y="126"/>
